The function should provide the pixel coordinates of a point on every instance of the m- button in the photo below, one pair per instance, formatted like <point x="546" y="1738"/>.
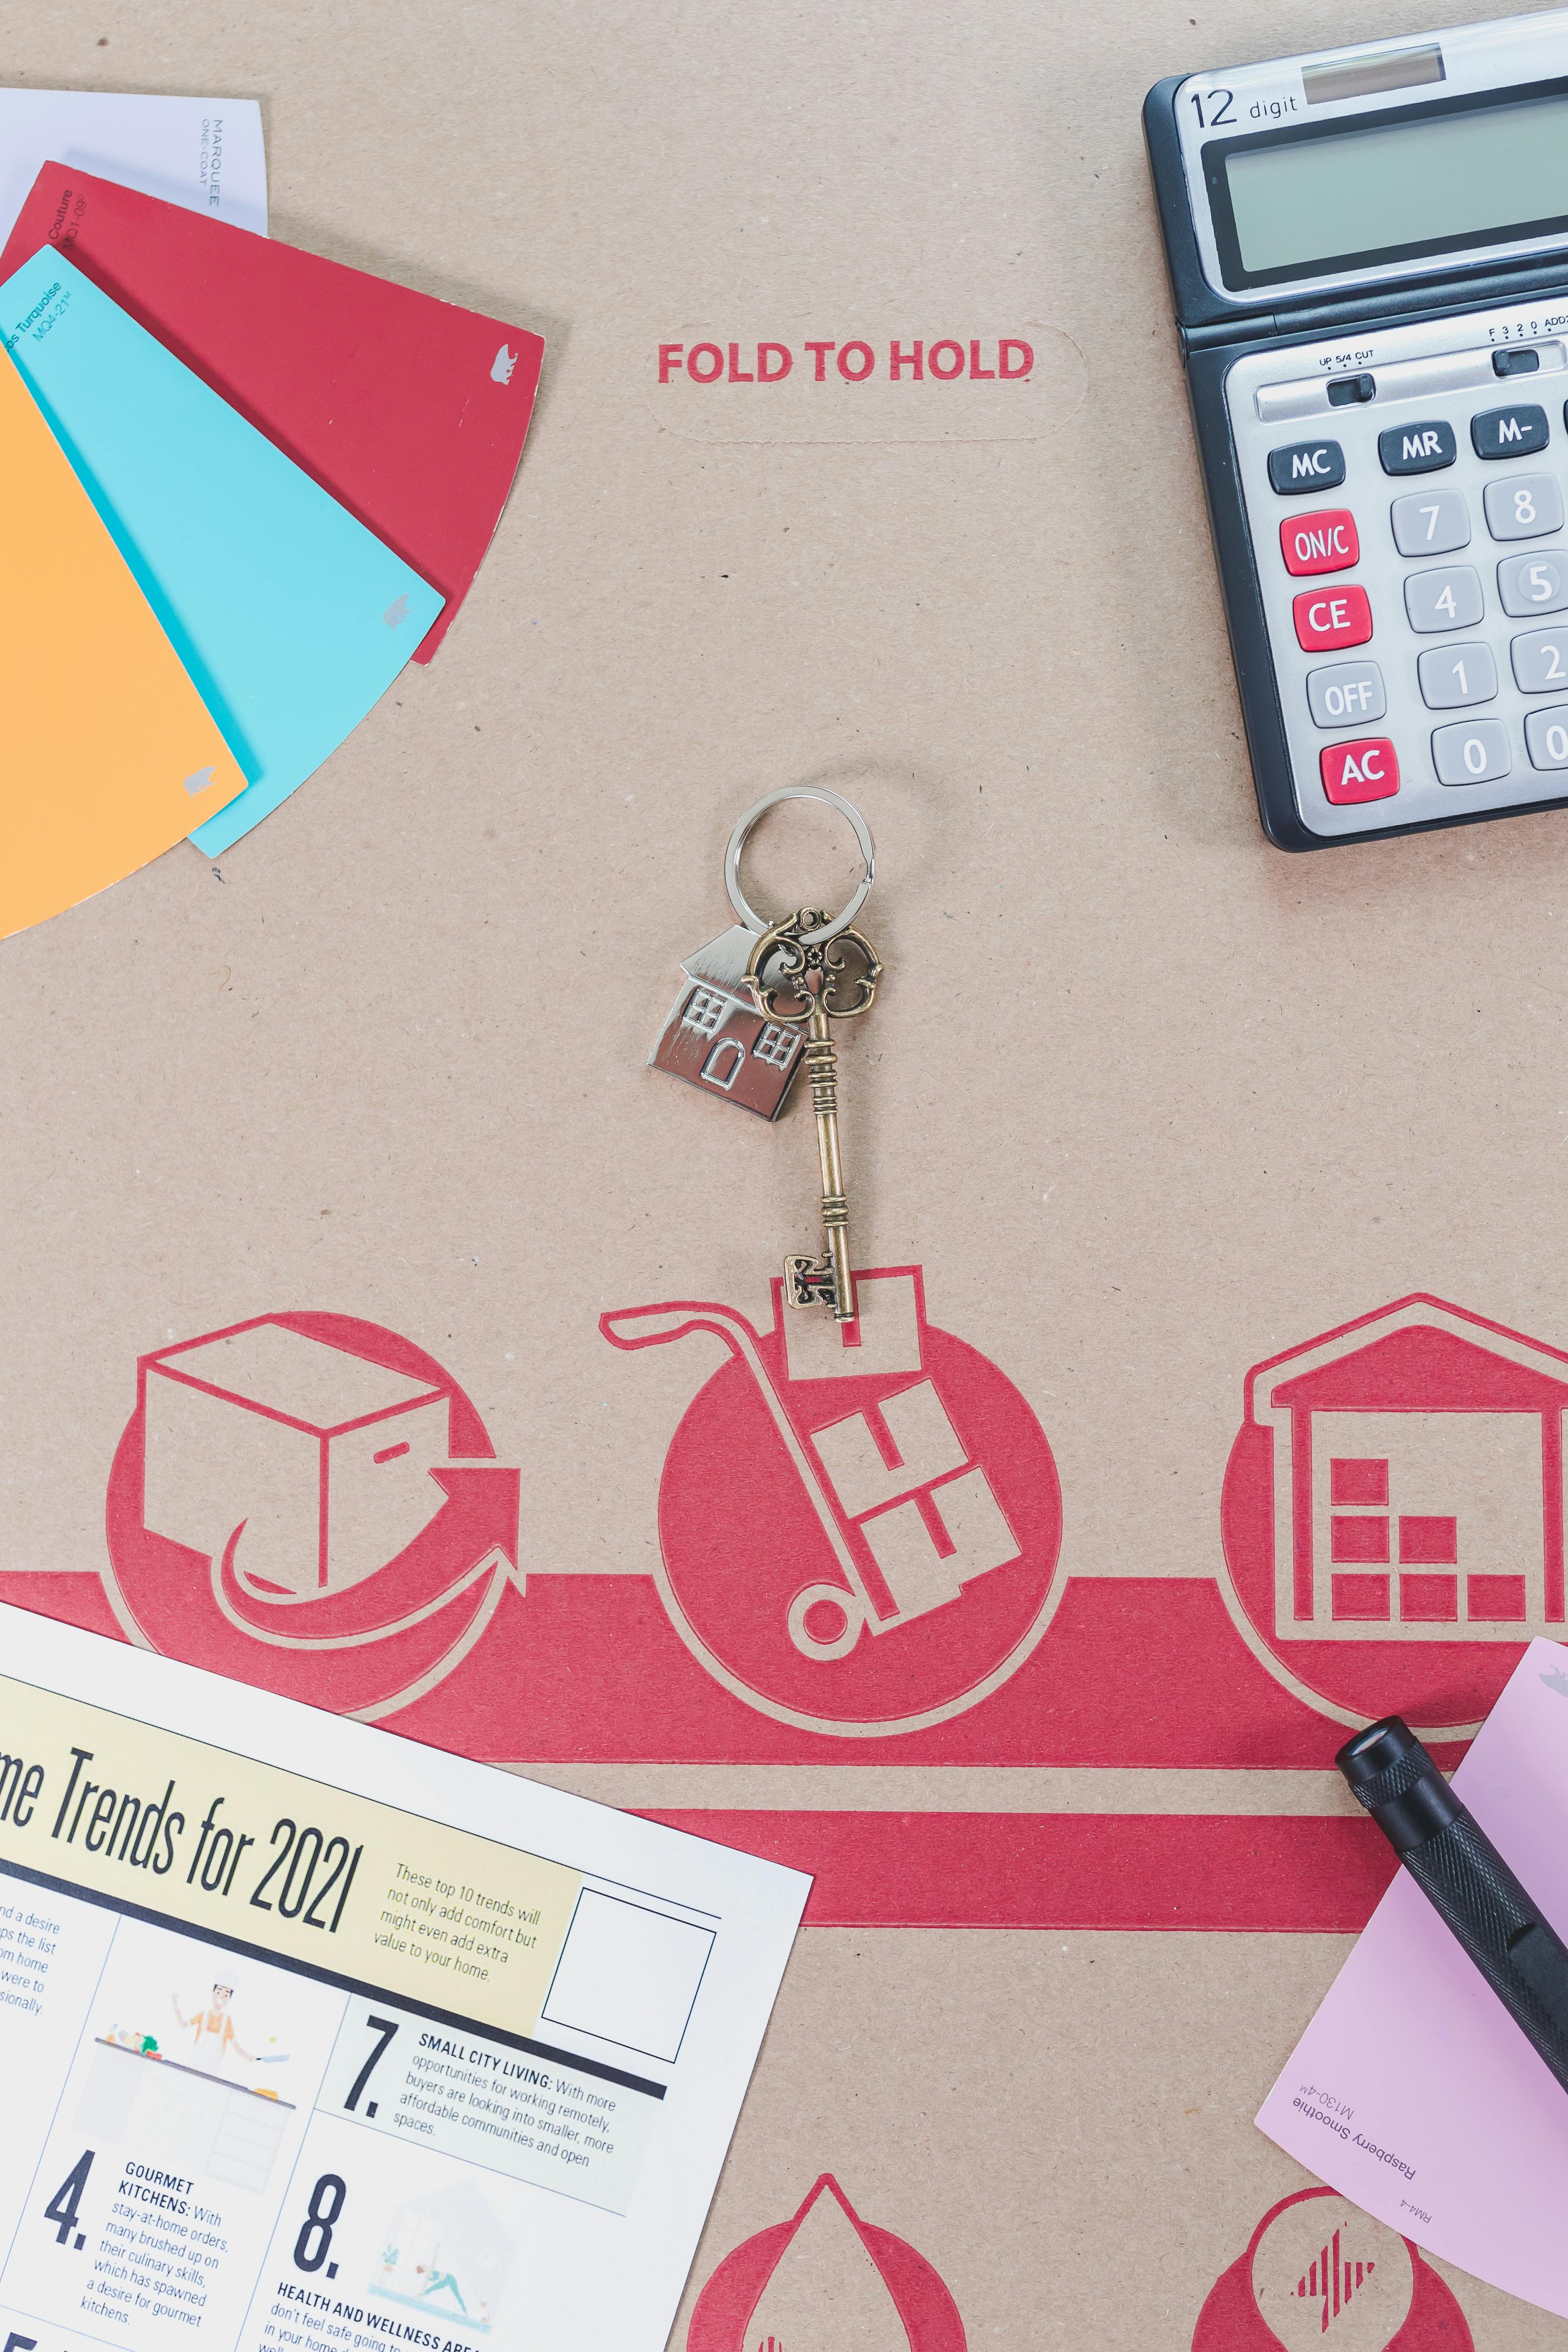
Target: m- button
<point x="1327" y="617"/>
<point x="1323" y="542"/>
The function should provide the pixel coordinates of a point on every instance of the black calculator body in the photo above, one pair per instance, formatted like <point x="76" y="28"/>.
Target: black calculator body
<point x="1368" y="254"/>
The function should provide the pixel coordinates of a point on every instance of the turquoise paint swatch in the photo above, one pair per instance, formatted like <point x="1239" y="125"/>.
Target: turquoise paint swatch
<point x="290" y="617"/>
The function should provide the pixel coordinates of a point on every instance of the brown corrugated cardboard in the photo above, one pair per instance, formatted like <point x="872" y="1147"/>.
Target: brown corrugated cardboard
<point x="1142" y="1106"/>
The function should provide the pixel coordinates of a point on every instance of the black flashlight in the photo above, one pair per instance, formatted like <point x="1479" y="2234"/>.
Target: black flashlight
<point x="1466" y="1880"/>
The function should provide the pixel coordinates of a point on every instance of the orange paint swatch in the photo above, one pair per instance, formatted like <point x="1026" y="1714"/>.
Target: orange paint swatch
<point x="110" y="755"/>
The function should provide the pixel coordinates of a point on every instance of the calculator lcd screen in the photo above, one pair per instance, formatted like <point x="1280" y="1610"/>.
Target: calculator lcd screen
<point x="1328" y="197"/>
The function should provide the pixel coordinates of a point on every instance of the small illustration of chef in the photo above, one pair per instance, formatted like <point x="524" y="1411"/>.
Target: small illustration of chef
<point x="211" y="2031"/>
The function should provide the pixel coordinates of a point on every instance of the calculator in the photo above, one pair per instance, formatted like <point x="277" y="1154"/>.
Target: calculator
<point x="1368" y="256"/>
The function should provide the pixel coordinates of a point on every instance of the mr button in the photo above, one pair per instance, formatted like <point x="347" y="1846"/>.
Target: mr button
<point x="1327" y="617"/>
<point x="1367" y="770"/>
<point x="1306" y="466"/>
<point x="1417" y="448"/>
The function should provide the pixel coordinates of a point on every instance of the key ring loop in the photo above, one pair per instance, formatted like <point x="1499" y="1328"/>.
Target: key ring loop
<point x="743" y="831"/>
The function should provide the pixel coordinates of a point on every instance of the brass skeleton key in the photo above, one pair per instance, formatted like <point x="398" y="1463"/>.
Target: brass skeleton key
<point x="828" y="980"/>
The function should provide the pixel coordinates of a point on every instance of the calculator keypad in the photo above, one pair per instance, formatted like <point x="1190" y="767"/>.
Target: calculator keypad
<point x="1540" y="661"/>
<point x="1450" y="598"/>
<point x="1454" y="676"/>
<point x="1347" y="693"/>
<point x="1435" y="576"/>
<point x="1430" y="522"/>
<point x="1546" y="732"/>
<point x="1524" y="505"/>
<point x="1322" y="542"/>
<point x="1327" y="617"/>
<point x="1474" y="753"/>
<point x="1355" y="772"/>
<point x="1533" y="583"/>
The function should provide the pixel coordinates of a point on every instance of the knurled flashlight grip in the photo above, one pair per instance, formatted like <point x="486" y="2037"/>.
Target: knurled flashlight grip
<point x="1466" y="1880"/>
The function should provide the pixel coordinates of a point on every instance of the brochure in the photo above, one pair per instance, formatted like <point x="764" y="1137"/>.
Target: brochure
<point x="313" y="2036"/>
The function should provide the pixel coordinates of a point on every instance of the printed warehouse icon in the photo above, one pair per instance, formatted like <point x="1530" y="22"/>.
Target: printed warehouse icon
<point x="1393" y="1509"/>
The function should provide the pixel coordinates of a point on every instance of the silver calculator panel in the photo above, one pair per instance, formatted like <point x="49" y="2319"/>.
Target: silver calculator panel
<point x="1468" y="686"/>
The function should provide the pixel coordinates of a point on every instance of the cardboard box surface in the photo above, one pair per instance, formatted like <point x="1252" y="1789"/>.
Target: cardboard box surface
<point x="1142" y="1107"/>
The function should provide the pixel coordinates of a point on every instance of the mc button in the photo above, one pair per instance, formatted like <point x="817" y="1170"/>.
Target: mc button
<point x="1327" y="617"/>
<point x="1323" y="542"/>
<point x="1306" y="466"/>
<point x="1364" y="771"/>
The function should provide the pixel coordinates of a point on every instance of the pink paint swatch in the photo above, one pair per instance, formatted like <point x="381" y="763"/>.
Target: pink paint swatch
<point x="1413" y="2092"/>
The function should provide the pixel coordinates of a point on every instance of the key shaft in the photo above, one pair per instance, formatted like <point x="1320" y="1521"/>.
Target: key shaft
<point x="831" y="981"/>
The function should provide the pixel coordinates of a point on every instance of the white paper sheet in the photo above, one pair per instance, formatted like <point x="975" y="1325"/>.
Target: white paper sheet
<point x="310" y="2035"/>
<point x="204" y="153"/>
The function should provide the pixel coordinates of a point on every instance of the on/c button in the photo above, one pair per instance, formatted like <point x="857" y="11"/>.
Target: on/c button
<point x="1327" y="617"/>
<point x="1366" y="770"/>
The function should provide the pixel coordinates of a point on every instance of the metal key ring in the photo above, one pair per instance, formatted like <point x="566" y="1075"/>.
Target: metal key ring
<point x="743" y="833"/>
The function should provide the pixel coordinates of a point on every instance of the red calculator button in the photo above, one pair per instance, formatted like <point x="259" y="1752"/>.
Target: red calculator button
<point x="1366" y="770"/>
<point x="1324" y="541"/>
<point x="1326" y="618"/>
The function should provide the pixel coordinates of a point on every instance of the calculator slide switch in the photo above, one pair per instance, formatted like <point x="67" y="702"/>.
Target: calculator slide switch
<point x="1324" y="541"/>
<point x="1367" y="770"/>
<point x="1329" y="617"/>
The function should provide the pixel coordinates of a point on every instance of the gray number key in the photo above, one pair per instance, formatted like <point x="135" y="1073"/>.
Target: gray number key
<point x="1475" y="753"/>
<point x="1532" y="583"/>
<point x="1448" y="599"/>
<point x="1546" y="738"/>
<point x="1452" y="676"/>
<point x="1431" y="522"/>
<point x="1346" y="693"/>
<point x="1540" y="661"/>
<point x="1525" y="506"/>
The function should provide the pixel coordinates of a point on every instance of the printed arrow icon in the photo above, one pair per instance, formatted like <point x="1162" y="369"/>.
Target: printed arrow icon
<point x="489" y="1498"/>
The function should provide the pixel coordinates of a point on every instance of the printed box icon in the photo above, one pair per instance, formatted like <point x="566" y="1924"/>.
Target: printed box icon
<point x="323" y="1455"/>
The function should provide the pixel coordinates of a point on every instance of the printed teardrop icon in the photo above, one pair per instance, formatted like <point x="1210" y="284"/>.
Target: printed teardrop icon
<point x="1317" y="2273"/>
<point x="502" y="365"/>
<point x="825" y="2281"/>
<point x="826" y="2293"/>
<point x="1324" y="2269"/>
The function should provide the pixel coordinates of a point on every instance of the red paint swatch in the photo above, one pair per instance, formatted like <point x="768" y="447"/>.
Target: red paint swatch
<point x="411" y="412"/>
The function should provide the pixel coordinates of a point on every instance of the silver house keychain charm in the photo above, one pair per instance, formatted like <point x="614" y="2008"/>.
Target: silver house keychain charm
<point x="716" y="1037"/>
<point x="760" y="1003"/>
